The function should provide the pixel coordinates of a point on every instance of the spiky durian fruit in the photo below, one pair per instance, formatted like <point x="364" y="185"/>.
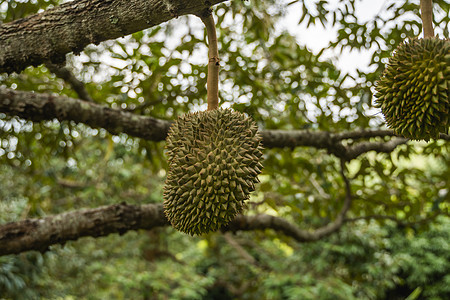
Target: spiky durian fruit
<point x="214" y="160"/>
<point x="413" y="91"/>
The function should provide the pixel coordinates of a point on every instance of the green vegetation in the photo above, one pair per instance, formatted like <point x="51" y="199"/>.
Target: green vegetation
<point x="395" y="238"/>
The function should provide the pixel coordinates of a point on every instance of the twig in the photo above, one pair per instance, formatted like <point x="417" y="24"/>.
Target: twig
<point x="239" y="249"/>
<point x="67" y="76"/>
<point x="71" y="184"/>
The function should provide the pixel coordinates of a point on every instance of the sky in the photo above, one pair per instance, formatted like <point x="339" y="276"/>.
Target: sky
<point x="315" y="37"/>
<point x="318" y="37"/>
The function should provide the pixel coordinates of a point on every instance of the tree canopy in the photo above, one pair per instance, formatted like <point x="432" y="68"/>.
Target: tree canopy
<point x="345" y="208"/>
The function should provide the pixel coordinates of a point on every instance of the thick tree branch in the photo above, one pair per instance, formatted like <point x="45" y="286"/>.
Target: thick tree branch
<point x="401" y="223"/>
<point x="70" y="27"/>
<point x="295" y="138"/>
<point x="39" y="234"/>
<point x="40" y="106"/>
<point x="364" y="134"/>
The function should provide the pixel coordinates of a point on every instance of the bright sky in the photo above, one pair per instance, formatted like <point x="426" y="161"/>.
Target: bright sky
<point x="316" y="37"/>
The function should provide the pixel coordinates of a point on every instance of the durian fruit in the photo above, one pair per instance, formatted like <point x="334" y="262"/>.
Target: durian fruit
<point x="413" y="92"/>
<point x="214" y="160"/>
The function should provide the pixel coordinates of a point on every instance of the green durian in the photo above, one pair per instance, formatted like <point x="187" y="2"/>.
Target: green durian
<point x="214" y="159"/>
<point x="413" y="92"/>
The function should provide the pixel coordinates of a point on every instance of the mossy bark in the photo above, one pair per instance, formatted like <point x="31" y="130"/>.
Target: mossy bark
<point x="70" y="27"/>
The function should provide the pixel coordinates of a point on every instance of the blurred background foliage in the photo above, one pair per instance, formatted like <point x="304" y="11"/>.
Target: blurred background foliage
<point x="52" y="167"/>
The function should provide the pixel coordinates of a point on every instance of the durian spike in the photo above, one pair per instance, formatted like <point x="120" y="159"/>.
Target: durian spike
<point x="213" y="63"/>
<point x="426" y="13"/>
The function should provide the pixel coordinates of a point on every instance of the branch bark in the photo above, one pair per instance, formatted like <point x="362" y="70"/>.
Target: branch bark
<point x="40" y="234"/>
<point x="40" y="106"/>
<point x="279" y="224"/>
<point x="384" y="147"/>
<point x="365" y="133"/>
<point x="70" y="27"/>
<point x="400" y="222"/>
<point x="77" y="85"/>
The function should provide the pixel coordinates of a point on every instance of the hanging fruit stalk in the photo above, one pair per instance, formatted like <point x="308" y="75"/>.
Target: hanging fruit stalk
<point x="426" y="13"/>
<point x="213" y="64"/>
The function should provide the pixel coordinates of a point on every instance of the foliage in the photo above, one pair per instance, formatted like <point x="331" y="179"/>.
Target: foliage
<point x="52" y="167"/>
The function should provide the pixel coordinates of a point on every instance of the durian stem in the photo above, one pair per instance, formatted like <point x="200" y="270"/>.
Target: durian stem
<point x="426" y="13"/>
<point x="213" y="64"/>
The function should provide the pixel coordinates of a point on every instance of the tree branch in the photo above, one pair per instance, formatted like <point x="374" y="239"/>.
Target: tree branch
<point x="239" y="249"/>
<point x="362" y="134"/>
<point x="247" y="223"/>
<point x="295" y="138"/>
<point x="39" y="107"/>
<point x="70" y="27"/>
<point x="385" y="147"/>
<point x="40" y="234"/>
<point x="340" y="219"/>
<point x="262" y="222"/>
<point x="77" y="85"/>
<point x="399" y="222"/>
<point x="371" y="133"/>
